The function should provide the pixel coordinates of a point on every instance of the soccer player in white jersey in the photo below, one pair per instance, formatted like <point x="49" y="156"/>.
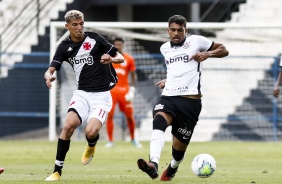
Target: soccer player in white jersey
<point x="91" y="57"/>
<point x="276" y="90"/>
<point x="180" y="103"/>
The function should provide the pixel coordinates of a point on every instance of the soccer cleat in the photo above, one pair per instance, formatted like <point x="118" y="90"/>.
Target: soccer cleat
<point x="87" y="155"/>
<point x="109" y="145"/>
<point x="148" y="168"/>
<point x="53" y="177"/>
<point x="168" y="174"/>
<point x="137" y="144"/>
<point x="1" y="170"/>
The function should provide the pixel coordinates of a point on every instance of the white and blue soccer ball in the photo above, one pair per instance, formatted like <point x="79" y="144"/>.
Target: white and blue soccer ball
<point x="203" y="165"/>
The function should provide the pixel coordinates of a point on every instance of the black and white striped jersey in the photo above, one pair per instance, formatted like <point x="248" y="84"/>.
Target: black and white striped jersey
<point x="84" y="57"/>
<point x="183" y="75"/>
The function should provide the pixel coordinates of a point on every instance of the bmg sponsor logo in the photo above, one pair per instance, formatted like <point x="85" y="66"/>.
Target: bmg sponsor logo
<point x="184" y="58"/>
<point x="83" y="60"/>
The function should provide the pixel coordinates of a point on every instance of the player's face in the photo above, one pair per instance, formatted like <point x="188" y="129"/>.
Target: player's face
<point x="177" y="32"/>
<point x="119" y="46"/>
<point x="75" y="27"/>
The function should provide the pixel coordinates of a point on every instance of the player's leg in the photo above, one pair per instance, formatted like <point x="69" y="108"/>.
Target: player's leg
<point x="128" y="112"/>
<point x="127" y="109"/>
<point x="178" y="153"/>
<point x="77" y="113"/>
<point x="1" y="170"/>
<point x="160" y="123"/>
<point x="100" y="105"/>
<point x="71" y="123"/>
<point x="92" y="136"/>
<point x="110" y="123"/>
<point x="187" y="112"/>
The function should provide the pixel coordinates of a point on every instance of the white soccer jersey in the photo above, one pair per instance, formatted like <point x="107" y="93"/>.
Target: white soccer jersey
<point x="183" y="76"/>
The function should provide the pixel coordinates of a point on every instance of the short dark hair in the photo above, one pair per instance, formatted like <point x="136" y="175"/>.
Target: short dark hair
<point x="118" y="39"/>
<point x="178" y="19"/>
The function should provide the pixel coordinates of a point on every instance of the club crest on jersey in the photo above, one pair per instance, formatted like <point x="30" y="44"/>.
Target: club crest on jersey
<point x="182" y="57"/>
<point x="186" y="45"/>
<point x="86" y="45"/>
<point x="73" y="102"/>
<point x="82" y="60"/>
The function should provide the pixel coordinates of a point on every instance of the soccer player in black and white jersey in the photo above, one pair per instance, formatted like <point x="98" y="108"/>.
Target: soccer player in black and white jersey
<point x="91" y="57"/>
<point x="180" y="103"/>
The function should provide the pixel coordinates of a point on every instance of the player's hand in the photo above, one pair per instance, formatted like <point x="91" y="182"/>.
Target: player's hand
<point x="106" y="59"/>
<point x="129" y="97"/>
<point x="200" y="56"/>
<point x="276" y="92"/>
<point x="49" y="79"/>
<point x="161" y="84"/>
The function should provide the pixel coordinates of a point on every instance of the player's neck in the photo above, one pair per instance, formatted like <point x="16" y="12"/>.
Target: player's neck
<point x="77" y="39"/>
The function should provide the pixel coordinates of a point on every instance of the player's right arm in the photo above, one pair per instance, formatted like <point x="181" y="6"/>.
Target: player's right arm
<point x="161" y="84"/>
<point x="49" y="76"/>
<point x="56" y="63"/>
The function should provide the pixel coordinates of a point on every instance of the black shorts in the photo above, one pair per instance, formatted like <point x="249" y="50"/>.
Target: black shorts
<point x="185" y="111"/>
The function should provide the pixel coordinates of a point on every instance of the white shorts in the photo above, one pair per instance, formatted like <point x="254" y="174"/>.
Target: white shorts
<point x="91" y="105"/>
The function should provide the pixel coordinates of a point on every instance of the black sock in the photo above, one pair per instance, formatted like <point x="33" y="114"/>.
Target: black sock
<point x="170" y="171"/>
<point x="58" y="169"/>
<point x="62" y="149"/>
<point x="92" y="142"/>
<point x="177" y="155"/>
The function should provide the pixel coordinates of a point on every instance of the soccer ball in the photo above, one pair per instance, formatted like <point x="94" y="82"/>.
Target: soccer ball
<point x="203" y="165"/>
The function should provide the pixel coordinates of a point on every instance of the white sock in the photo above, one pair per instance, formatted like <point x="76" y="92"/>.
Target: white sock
<point x="156" y="145"/>
<point x="174" y="163"/>
<point x="59" y="163"/>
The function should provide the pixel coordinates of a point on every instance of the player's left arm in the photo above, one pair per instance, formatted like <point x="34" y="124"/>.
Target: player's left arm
<point x="111" y="53"/>
<point x="217" y="50"/>
<point x="107" y="59"/>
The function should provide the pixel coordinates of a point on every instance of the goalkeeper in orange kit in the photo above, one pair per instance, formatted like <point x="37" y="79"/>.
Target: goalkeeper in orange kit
<point x="123" y="94"/>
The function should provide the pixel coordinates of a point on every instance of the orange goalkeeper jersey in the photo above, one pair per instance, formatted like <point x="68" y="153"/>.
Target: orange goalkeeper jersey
<point x="122" y="71"/>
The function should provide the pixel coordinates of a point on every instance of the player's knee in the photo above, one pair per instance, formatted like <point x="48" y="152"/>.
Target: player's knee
<point x="159" y="123"/>
<point x="177" y="155"/>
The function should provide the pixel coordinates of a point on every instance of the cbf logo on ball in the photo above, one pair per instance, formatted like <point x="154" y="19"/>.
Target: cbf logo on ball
<point x="82" y="60"/>
<point x="183" y="57"/>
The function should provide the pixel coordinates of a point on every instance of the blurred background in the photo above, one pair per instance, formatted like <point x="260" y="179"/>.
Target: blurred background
<point x="237" y="104"/>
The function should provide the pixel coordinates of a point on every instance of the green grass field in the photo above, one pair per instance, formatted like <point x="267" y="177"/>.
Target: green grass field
<point x="31" y="162"/>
